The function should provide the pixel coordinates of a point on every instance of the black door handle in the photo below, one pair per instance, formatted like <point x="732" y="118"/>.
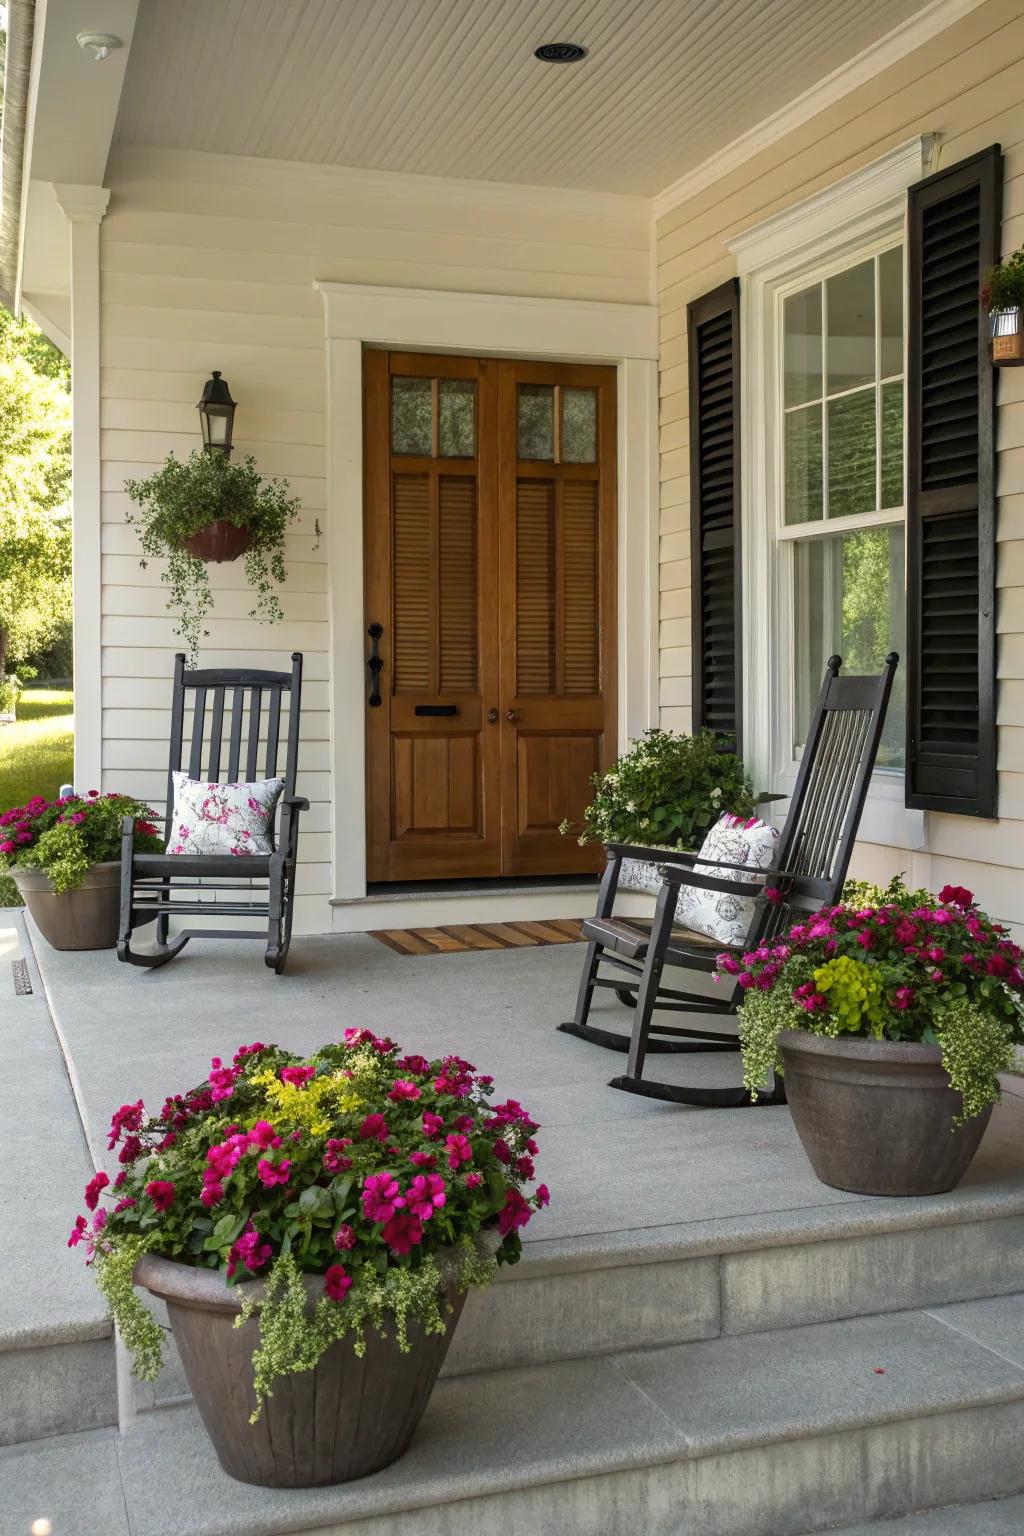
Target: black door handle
<point x="375" y="663"/>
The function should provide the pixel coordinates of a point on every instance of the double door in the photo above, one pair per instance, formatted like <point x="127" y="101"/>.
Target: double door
<point x="490" y="612"/>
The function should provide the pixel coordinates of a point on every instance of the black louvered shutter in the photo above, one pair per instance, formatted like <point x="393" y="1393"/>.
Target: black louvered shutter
<point x="954" y="234"/>
<point x="712" y="324"/>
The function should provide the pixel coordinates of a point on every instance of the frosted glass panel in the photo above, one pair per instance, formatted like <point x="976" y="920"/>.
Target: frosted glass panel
<point x="456" y="405"/>
<point x="536" y="421"/>
<point x="412" y="416"/>
<point x="579" y="426"/>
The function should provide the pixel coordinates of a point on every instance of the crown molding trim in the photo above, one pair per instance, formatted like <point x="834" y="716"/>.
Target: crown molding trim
<point x="873" y="60"/>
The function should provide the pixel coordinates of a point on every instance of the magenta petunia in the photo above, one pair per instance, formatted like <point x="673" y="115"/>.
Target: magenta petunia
<point x="92" y="1189"/>
<point x="543" y="1195"/>
<point x="403" y="1090"/>
<point x="381" y="1196"/>
<point x="78" y="1231"/>
<point x="273" y="1174"/>
<point x="425" y="1195"/>
<point x="402" y="1233"/>
<point x="374" y="1128"/>
<point x="161" y="1192"/>
<point x="298" y="1077"/>
<point x="345" y="1237"/>
<point x="460" y="1150"/>
<point x="433" y="1125"/>
<point x="337" y="1283"/>
<point x="515" y="1213"/>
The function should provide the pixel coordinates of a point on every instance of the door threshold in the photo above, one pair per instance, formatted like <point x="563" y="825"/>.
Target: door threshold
<point x="440" y="890"/>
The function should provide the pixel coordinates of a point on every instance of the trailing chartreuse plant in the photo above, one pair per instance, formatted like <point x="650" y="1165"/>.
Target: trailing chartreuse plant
<point x="389" y="1178"/>
<point x="65" y="837"/>
<point x="1003" y="285"/>
<point x="665" y="792"/>
<point x="889" y="964"/>
<point x="182" y="499"/>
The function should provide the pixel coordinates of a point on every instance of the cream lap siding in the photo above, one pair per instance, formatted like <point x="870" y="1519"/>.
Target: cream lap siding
<point x="210" y="262"/>
<point x="964" y="85"/>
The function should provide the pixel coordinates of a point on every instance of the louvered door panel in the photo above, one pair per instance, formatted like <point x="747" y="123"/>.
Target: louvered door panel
<point x="713" y="332"/>
<point x="581" y="585"/>
<point x="535" y="617"/>
<point x="954" y="223"/>
<point x="413" y="573"/>
<point x="457" y="582"/>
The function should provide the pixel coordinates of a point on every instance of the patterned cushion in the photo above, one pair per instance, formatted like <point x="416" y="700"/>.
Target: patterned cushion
<point x="223" y="818"/>
<point x="721" y="915"/>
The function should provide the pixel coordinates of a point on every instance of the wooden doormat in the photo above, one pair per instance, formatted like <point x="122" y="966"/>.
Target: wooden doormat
<point x="458" y="937"/>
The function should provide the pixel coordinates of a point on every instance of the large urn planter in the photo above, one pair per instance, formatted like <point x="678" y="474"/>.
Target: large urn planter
<point x="83" y="918"/>
<point x="344" y="1419"/>
<point x="876" y="1117"/>
<point x="218" y="541"/>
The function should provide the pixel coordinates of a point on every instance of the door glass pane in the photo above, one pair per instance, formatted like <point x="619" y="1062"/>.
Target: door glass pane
<point x="851" y="454"/>
<point x="536" y="423"/>
<point x="849" y="598"/>
<point x="456" y="403"/>
<point x="850" y="318"/>
<point x="802" y="326"/>
<point x="412" y="416"/>
<point x="892" y="443"/>
<point x="579" y="426"/>
<point x="890" y="304"/>
<point x="803" y="502"/>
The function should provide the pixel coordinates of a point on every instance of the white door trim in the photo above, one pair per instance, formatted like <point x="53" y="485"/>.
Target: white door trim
<point x="481" y="324"/>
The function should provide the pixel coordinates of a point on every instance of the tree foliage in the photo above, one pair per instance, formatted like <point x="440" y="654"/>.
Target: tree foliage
<point x="35" y="488"/>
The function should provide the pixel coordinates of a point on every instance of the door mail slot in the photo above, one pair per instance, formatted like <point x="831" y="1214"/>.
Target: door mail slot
<point x="436" y="709"/>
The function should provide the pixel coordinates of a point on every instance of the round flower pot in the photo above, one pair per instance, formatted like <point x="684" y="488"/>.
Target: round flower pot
<point x="219" y="541"/>
<point x="85" y="918"/>
<point x="876" y="1116"/>
<point x="346" y="1418"/>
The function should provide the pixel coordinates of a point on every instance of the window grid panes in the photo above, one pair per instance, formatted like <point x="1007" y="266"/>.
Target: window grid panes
<point x="842" y="457"/>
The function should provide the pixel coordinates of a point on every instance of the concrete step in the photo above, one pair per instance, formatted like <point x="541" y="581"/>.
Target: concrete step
<point x="793" y="1431"/>
<point x="994" y="1517"/>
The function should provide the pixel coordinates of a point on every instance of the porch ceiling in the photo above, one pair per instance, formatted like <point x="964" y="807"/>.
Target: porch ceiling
<point x="451" y="87"/>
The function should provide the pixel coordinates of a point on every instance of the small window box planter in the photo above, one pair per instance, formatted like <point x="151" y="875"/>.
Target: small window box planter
<point x="1008" y="337"/>
<point x="1002" y="298"/>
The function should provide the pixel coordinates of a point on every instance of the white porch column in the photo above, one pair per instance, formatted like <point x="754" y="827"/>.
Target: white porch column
<point x="84" y="207"/>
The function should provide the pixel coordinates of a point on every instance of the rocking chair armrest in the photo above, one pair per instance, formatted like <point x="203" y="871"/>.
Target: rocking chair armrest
<point x="295" y="802"/>
<point x="703" y="882"/>
<point x="686" y="858"/>
<point x="644" y="854"/>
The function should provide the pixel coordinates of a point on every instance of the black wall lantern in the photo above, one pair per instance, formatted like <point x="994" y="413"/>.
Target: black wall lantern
<point x="217" y="413"/>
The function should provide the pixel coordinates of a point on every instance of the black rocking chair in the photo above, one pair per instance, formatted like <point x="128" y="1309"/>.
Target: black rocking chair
<point x="813" y="857"/>
<point x="150" y="882"/>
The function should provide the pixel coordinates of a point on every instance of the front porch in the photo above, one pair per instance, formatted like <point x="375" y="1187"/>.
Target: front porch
<point x="699" y="1328"/>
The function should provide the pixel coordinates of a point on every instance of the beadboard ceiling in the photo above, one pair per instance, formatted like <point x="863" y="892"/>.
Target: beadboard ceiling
<point x="451" y="88"/>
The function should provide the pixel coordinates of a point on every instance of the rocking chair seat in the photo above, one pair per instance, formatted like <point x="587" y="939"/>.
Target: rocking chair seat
<point x="631" y="937"/>
<point x="219" y="865"/>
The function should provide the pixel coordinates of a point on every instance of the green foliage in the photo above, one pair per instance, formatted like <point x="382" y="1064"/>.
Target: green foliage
<point x="64" y="838"/>
<point x="854" y="995"/>
<point x="10" y="692"/>
<point x="182" y="499"/>
<point x="35" y="486"/>
<point x="140" y="1332"/>
<point x="976" y="1047"/>
<point x="665" y="792"/>
<point x="1003" y="286"/>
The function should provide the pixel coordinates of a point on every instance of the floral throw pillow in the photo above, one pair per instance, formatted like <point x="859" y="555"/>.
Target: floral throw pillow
<point x="223" y="818"/>
<point x="719" y="914"/>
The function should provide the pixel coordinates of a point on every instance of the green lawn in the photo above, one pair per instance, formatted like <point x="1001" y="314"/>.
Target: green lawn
<point x="36" y="756"/>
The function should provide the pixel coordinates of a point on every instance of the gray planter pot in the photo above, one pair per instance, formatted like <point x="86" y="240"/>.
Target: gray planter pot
<point x="876" y="1116"/>
<point x="85" y="918"/>
<point x="348" y="1417"/>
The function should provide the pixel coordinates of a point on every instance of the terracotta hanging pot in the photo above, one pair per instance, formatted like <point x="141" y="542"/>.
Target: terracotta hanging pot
<point x="218" y="541"/>
<point x="877" y="1116"/>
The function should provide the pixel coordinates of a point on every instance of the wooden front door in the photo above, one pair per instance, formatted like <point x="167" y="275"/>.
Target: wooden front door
<point x="490" y="571"/>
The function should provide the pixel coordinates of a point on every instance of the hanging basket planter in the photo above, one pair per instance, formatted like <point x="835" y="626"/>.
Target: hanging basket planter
<point x="1008" y="337"/>
<point x="218" y="541"/>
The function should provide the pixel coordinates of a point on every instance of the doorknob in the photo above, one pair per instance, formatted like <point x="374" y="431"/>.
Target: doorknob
<point x="511" y="715"/>
<point x="492" y="716"/>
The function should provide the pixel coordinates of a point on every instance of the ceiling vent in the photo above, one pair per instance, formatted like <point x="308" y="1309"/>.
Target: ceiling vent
<point x="560" y="53"/>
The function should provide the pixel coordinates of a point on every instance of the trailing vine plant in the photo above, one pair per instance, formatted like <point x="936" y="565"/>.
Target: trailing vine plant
<point x="184" y="497"/>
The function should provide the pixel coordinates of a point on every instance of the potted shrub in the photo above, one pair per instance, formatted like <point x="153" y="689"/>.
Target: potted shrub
<point x="65" y="858"/>
<point x="1002" y="297"/>
<point x="665" y="792"/>
<point x="891" y="1016"/>
<point x="207" y="508"/>
<point x="313" y="1224"/>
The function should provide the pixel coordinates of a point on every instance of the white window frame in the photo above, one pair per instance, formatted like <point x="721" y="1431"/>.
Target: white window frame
<point x="861" y="215"/>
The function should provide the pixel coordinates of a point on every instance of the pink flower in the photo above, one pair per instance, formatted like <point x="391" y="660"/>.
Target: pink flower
<point x="402" y="1232"/>
<point x="425" y="1194"/>
<point x="92" y="1190"/>
<point x="211" y="1195"/>
<point x="865" y="938"/>
<point x="263" y="1136"/>
<point x="221" y="1079"/>
<point x="514" y="1214"/>
<point x="161" y="1192"/>
<point x="525" y="1167"/>
<point x="903" y="997"/>
<point x="337" y="1283"/>
<point x="773" y="894"/>
<point x="459" y="1150"/>
<point x="131" y="1150"/>
<point x="374" y="1128"/>
<point x="272" y="1174"/>
<point x="474" y="1180"/>
<point x="423" y="1159"/>
<point x="543" y="1195"/>
<point x="381" y="1197"/>
<point x="957" y="896"/>
<point x="124" y="1205"/>
<point x="78" y="1231"/>
<point x="419" y="1066"/>
<point x="501" y="1152"/>
<point x="746" y="980"/>
<point x="249" y="1250"/>
<point x="403" y="1090"/>
<point x="433" y="1125"/>
<point x="345" y="1237"/>
<point x="127" y="1118"/>
<point x="334" y="1162"/>
<point x="297" y="1076"/>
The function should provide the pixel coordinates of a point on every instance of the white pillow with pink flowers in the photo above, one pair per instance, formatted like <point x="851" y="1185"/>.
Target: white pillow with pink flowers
<point x="720" y="914"/>
<point x="234" y="819"/>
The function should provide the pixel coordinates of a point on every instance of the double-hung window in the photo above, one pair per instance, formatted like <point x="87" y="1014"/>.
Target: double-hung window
<point x="839" y="461"/>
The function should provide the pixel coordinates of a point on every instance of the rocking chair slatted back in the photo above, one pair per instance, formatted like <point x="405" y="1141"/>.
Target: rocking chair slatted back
<point x="828" y="799"/>
<point x="247" y="706"/>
